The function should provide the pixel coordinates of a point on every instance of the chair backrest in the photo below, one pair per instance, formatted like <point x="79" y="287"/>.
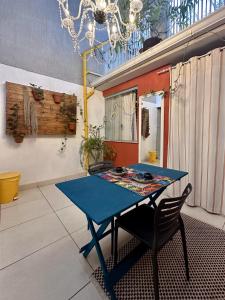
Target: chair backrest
<point x="168" y="213"/>
<point x="100" y="167"/>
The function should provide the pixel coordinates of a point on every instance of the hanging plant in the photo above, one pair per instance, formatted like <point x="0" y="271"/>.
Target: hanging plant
<point x="13" y="124"/>
<point x="69" y="111"/>
<point x="37" y="92"/>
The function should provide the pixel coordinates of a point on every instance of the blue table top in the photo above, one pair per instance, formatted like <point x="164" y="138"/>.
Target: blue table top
<point x="100" y="200"/>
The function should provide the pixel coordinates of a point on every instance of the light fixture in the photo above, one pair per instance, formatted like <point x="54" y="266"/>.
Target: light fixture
<point x="99" y="15"/>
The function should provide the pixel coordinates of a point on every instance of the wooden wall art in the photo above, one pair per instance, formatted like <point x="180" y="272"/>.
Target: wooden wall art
<point x="32" y="111"/>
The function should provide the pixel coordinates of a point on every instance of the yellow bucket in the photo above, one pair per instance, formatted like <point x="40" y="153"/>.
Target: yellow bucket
<point x="152" y="156"/>
<point x="9" y="184"/>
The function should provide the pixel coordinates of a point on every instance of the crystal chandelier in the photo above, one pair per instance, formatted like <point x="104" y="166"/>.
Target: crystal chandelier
<point x="99" y="15"/>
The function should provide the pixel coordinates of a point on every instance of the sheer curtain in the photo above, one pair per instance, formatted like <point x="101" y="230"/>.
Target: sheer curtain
<point x="121" y="121"/>
<point x="197" y="129"/>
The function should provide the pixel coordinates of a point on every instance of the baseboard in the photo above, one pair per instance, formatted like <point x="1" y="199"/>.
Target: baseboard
<point x="28" y="186"/>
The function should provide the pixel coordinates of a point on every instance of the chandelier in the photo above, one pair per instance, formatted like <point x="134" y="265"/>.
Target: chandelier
<point x="99" y="15"/>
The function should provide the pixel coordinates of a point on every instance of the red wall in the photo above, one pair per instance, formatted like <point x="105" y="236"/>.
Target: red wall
<point x="127" y="153"/>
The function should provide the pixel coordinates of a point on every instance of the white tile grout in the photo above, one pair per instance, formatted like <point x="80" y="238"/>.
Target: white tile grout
<point x="1" y="230"/>
<point x="70" y="234"/>
<point x="9" y="265"/>
<point x="80" y="290"/>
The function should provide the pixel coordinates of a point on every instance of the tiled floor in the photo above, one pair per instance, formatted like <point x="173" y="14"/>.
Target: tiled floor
<point x="40" y="237"/>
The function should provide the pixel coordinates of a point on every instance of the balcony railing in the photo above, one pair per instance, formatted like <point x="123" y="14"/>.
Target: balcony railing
<point x="200" y="10"/>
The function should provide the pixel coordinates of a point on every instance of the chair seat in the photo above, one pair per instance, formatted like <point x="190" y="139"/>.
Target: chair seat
<point x="140" y="223"/>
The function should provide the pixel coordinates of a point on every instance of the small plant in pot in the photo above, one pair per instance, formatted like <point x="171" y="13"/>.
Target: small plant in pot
<point x="95" y="148"/>
<point x="69" y="110"/>
<point x="157" y="18"/>
<point x="37" y="92"/>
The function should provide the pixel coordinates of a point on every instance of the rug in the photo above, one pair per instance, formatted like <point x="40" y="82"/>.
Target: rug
<point x="206" y="253"/>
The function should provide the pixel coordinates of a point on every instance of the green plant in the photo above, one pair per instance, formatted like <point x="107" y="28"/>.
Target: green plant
<point x="38" y="92"/>
<point x="69" y="110"/>
<point x="159" y="16"/>
<point x="94" y="146"/>
<point x="13" y="124"/>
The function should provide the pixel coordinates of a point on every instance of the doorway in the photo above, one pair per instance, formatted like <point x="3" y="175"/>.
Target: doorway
<point x="151" y="120"/>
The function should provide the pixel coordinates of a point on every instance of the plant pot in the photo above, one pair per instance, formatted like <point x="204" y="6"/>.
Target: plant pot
<point x="72" y="126"/>
<point x="38" y="95"/>
<point x="149" y="43"/>
<point x="18" y="138"/>
<point x="57" y="98"/>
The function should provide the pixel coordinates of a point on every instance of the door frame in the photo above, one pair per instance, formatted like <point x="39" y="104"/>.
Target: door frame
<point x="141" y="98"/>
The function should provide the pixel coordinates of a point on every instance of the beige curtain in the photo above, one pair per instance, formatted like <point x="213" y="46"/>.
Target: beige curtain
<point x="197" y="129"/>
<point x="120" y="117"/>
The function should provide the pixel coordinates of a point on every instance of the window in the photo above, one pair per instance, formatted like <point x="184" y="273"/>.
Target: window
<point x="121" y="117"/>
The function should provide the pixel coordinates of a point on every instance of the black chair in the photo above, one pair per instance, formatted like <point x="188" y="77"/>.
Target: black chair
<point x="100" y="167"/>
<point x="155" y="227"/>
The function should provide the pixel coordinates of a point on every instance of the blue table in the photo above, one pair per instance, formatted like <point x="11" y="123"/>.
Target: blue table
<point x="102" y="201"/>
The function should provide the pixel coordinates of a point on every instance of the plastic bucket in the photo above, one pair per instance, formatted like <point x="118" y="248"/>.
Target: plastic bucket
<point x="152" y="156"/>
<point x="9" y="185"/>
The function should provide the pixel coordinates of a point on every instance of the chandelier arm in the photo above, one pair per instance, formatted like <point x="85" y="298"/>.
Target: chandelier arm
<point x="81" y="23"/>
<point x="120" y="18"/>
<point x="109" y="35"/>
<point x="93" y="7"/>
<point x="120" y="33"/>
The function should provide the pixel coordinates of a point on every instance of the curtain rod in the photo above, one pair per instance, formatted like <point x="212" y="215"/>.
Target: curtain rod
<point x="199" y="57"/>
<point x="134" y="89"/>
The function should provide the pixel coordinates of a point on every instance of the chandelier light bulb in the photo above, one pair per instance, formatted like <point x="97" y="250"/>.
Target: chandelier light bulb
<point x="132" y="18"/>
<point x="90" y="26"/>
<point x="101" y="4"/>
<point x="114" y="28"/>
<point x="136" y="6"/>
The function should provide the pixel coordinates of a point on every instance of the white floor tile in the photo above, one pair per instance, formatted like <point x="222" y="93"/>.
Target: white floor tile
<point x="25" y="196"/>
<point x="83" y="236"/>
<point x="202" y="215"/>
<point x="22" y="240"/>
<point x="21" y="213"/>
<point x="55" y="197"/>
<point x="72" y="218"/>
<point x="89" y="293"/>
<point x="53" y="273"/>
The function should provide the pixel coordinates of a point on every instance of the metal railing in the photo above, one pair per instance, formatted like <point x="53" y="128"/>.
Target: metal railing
<point x="199" y="10"/>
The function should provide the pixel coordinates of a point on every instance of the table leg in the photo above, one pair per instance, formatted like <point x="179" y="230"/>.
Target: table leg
<point x="107" y="282"/>
<point x="88" y="247"/>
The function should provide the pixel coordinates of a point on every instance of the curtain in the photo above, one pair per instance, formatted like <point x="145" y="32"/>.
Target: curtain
<point x="197" y="129"/>
<point x="120" y="119"/>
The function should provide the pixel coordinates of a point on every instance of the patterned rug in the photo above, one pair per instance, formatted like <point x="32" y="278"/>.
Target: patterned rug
<point x="206" y="253"/>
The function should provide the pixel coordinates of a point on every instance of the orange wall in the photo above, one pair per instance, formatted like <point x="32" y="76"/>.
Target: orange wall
<point x="127" y="153"/>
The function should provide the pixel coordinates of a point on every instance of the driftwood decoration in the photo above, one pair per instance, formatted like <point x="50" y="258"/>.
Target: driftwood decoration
<point x="25" y="116"/>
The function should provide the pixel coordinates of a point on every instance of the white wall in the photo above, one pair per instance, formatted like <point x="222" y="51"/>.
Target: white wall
<point x="38" y="159"/>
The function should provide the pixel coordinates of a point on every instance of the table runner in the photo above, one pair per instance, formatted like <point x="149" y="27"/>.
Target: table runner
<point x="126" y="181"/>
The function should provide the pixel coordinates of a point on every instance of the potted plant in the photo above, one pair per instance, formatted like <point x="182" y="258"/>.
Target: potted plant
<point x="69" y="110"/>
<point x="37" y="92"/>
<point x="57" y="98"/>
<point x="18" y="137"/>
<point x="13" y="122"/>
<point x="95" y="148"/>
<point x="158" y="16"/>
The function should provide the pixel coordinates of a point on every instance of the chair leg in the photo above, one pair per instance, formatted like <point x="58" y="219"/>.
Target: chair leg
<point x="112" y="236"/>
<point x="115" y="243"/>
<point x="184" y="249"/>
<point x="155" y="275"/>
